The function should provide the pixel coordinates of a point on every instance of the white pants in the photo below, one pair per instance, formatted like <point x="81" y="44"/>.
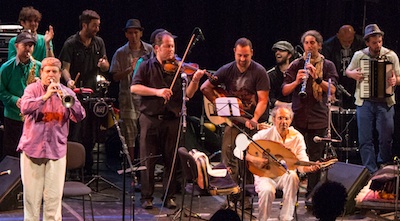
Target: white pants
<point x="42" y="179"/>
<point x="266" y="188"/>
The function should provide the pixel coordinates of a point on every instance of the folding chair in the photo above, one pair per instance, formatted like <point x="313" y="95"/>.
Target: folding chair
<point x="76" y="160"/>
<point x="211" y="185"/>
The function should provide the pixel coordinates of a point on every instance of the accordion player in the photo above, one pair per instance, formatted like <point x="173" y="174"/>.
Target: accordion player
<point x="376" y="73"/>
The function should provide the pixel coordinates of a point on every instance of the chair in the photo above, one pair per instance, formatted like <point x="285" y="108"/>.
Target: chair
<point x="76" y="161"/>
<point x="212" y="185"/>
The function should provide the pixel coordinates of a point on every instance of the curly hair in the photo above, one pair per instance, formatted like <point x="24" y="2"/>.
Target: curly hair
<point x="329" y="200"/>
<point x="29" y="12"/>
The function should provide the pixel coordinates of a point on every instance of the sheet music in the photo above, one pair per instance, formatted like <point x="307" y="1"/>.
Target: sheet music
<point x="227" y="106"/>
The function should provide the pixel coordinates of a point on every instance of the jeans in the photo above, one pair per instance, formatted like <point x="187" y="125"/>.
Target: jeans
<point x="381" y="116"/>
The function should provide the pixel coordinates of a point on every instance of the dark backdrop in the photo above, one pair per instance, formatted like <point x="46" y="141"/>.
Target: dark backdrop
<point x="222" y="22"/>
<point x="262" y="21"/>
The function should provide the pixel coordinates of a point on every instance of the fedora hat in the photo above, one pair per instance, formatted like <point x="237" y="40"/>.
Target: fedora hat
<point x="372" y="29"/>
<point x="133" y="23"/>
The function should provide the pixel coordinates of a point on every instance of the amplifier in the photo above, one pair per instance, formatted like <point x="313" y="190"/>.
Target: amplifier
<point x="6" y="33"/>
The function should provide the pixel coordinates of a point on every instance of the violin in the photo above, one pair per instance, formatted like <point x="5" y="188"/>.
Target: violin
<point x="171" y="66"/>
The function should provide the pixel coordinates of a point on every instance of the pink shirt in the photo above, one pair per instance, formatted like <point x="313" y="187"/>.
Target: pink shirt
<point x="46" y="123"/>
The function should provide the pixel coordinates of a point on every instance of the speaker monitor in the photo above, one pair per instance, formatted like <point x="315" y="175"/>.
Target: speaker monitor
<point x="10" y="184"/>
<point x="353" y="177"/>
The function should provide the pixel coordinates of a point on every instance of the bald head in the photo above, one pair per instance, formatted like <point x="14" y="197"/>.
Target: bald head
<point x="346" y="35"/>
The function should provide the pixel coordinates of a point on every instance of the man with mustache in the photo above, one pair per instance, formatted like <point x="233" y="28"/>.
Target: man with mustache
<point x="248" y="81"/>
<point x="84" y="57"/>
<point x="284" y="53"/>
<point x="311" y="111"/>
<point x="159" y="121"/>
<point x="374" y="113"/>
<point x="14" y="76"/>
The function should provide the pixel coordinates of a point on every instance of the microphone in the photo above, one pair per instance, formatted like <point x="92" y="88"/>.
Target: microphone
<point x="201" y="34"/>
<point x="298" y="50"/>
<point x="184" y="77"/>
<point x="318" y="139"/>
<point x="343" y="90"/>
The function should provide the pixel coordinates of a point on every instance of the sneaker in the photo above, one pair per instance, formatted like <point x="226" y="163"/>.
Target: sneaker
<point x="147" y="204"/>
<point x="170" y="204"/>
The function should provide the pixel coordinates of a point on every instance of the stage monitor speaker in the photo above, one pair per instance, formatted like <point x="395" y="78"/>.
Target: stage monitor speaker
<point x="353" y="177"/>
<point x="10" y="184"/>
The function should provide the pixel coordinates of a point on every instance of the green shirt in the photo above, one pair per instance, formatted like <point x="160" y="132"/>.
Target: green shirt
<point x="13" y="83"/>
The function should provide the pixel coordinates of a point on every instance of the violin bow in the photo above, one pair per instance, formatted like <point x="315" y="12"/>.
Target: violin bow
<point x="181" y="63"/>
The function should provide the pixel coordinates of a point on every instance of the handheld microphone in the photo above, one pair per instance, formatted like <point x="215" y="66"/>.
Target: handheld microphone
<point x="318" y="139"/>
<point x="342" y="89"/>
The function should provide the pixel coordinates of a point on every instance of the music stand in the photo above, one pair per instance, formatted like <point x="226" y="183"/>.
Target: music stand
<point x="229" y="107"/>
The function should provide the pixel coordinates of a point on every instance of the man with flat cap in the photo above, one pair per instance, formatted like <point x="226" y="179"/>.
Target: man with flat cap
<point x="374" y="113"/>
<point x="284" y="52"/>
<point x="14" y="75"/>
<point x="122" y="67"/>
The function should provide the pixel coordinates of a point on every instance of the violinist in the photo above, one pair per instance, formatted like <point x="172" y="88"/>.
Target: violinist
<point x="293" y="140"/>
<point x="159" y="119"/>
<point x="247" y="80"/>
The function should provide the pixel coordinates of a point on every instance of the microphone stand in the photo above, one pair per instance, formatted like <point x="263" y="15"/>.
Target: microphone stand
<point x="396" y="200"/>
<point x="328" y="145"/>
<point x="329" y="136"/>
<point x="184" y="125"/>
<point x="127" y="158"/>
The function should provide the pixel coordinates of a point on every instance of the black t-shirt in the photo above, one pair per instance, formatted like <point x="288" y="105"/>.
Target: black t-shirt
<point x="244" y="85"/>
<point x="83" y="59"/>
<point x="276" y="80"/>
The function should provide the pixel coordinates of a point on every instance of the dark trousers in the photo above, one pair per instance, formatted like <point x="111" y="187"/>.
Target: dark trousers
<point x="315" y="152"/>
<point x="230" y="160"/>
<point x="158" y="136"/>
<point x="12" y="134"/>
<point x="85" y="132"/>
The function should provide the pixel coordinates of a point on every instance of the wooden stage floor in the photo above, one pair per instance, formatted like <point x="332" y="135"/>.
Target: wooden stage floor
<point x="108" y="203"/>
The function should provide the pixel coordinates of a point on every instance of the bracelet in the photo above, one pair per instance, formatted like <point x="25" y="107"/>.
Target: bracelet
<point x="318" y="80"/>
<point x="195" y="82"/>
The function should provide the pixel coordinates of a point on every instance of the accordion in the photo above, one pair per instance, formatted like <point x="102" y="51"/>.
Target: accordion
<point x="376" y="73"/>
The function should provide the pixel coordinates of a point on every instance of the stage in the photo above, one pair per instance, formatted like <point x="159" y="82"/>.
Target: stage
<point x="108" y="203"/>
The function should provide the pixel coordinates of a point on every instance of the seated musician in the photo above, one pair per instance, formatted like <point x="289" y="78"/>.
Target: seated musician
<point x="374" y="111"/>
<point x="266" y="187"/>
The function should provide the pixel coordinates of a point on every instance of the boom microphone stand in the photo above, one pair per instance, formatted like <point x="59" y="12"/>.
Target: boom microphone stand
<point x="101" y="109"/>
<point x="127" y="158"/>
